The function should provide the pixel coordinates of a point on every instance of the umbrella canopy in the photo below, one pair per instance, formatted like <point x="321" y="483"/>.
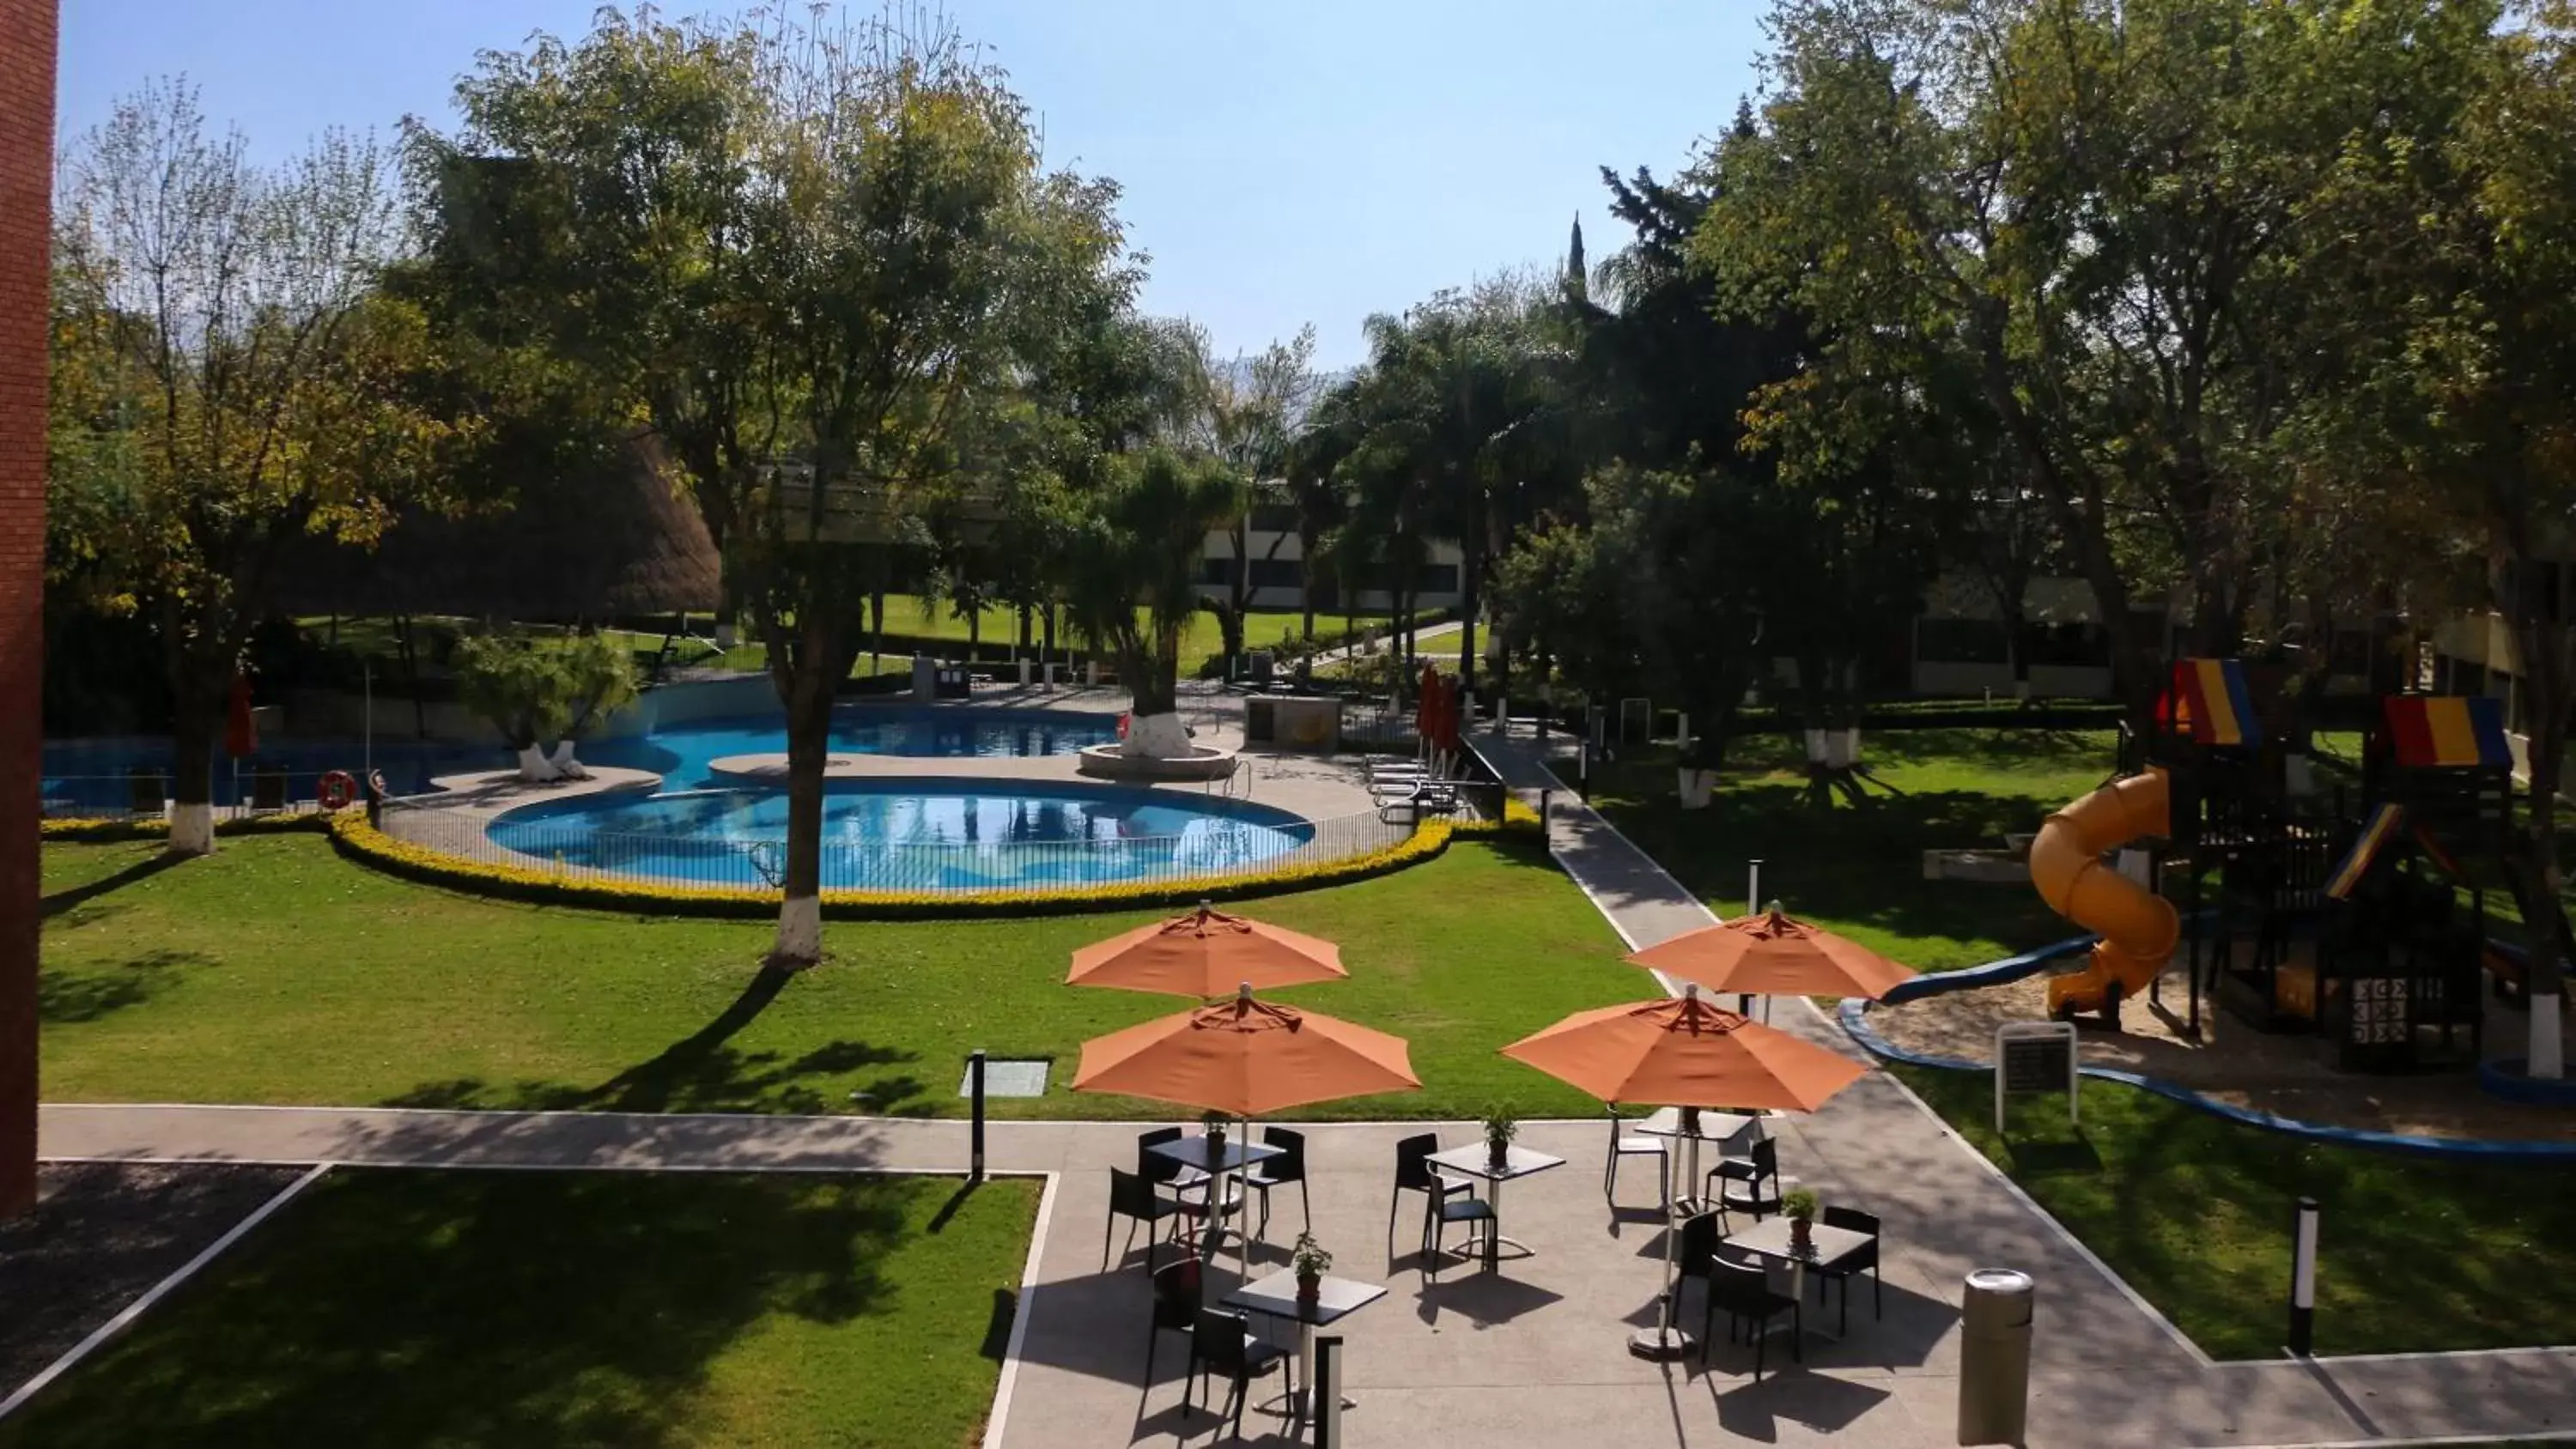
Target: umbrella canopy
<point x="1206" y="953"/>
<point x="1683" y="1052"/>
<point x="1245" y="1058"/>
<point x="1771" y="954"/>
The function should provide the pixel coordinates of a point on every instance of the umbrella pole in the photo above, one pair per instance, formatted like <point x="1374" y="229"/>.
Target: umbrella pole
<point x="1664" y="1342"/>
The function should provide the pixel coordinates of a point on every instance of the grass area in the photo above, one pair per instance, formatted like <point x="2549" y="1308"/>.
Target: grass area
<point x="387" y="1308"/>
<point x="1859" y="869"/>
<point x="273" y="971"/>
<point x="2195" y="1213"/>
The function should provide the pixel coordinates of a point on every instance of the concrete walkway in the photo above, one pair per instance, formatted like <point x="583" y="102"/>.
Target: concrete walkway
<point x="1536" y="1354"/>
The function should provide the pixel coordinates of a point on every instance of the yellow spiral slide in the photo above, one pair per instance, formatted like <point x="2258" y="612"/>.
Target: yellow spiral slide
<point x="2138" y="927"/>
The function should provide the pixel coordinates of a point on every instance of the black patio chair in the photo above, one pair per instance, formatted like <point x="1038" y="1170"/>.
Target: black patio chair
<point x="1625" y="1144"/>
<point x="1413" y="1173"/>
<point x="1133" y="1197"/>
<point x="1187" y="1185"/>
<point x="1288" y="1167"/>
<point x="1743" y="1291"/>
<point x="1749" y="1172"/>
<point x="1177" y="1300"/>
<point x="1863" y="1261"/>
<point x="1222" y="1344"/>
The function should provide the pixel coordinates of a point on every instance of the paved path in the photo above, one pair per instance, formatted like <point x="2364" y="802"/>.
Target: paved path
<point x="1536" y="1354"/>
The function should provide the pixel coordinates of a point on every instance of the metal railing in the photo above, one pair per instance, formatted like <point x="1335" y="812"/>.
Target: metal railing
<point x="1209" y="850"/>
<point x="145" y="795"/>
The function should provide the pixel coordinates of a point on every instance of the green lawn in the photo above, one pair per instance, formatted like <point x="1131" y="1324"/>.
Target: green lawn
<point x="2195" y="1213"/>
<point x="274" y="971"/>
<point x="387" y="1308"/>
<point x="1859" y="869"/>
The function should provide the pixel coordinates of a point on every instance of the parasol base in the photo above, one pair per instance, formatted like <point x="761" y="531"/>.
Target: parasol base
<point x="1660" y="1344"/>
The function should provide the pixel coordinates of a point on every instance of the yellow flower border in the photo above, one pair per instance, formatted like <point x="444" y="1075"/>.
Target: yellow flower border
<point x="356" y="839"/>
<point x="104" y="829"/>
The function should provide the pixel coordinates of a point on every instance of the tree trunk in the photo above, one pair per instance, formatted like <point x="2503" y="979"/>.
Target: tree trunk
<point x="1306" y="579"/>
<point x="192" y="764"/>
<point x="1238" y="592"/>
<point x="809" y="739"/>
<point x="2546" y="684"/>
<point x="409" y="654"/>
<point x="1023" y="646"/>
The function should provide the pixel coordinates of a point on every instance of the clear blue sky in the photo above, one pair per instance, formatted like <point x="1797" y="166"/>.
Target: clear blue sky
<point x="1289" y="162"/>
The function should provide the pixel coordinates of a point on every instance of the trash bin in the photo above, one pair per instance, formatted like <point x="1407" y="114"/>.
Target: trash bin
<point x="1994" y="1356"/>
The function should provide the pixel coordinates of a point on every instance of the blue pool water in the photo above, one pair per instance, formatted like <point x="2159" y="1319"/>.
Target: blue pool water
<point x="910" y="834"/>
<point x="91" y="775"/>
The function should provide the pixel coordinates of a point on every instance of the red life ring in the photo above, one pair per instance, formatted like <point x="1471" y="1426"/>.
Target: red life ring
<point x="1122" y="726"/>
<point x="338" y="788"/>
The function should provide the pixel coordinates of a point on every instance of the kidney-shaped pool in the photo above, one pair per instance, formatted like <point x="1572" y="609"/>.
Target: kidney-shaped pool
<point x="911" y="834"/>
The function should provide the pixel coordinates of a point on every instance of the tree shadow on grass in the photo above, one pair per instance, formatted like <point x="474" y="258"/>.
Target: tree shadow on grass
<point x="66" y="997"/>
<point x="394" y="1308"/>
<point x="144" y="869"/>
<point x="705" y="1072"/>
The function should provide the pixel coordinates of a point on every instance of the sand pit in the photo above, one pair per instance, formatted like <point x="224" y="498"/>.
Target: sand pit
<point x="2292" y="1076"/>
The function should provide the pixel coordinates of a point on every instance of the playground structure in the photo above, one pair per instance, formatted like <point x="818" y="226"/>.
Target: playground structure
<point x="2294" y="914"/>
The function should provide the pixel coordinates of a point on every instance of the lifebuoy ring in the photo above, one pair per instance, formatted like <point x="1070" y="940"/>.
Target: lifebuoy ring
<point x="1122" y="726"/>
<point x="338" y="788"/>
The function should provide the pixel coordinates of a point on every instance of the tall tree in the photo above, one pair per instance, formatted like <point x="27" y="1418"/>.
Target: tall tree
<point x="1253" y="410"/>
<point x="1132" y="577"/>
<point x="246" y="380"/>
<point x="2096" y="202"/>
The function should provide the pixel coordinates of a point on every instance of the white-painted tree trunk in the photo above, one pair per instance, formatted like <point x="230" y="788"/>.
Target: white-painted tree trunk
<point x="535" y="768"/>
<point x="1696" y="787"/>
<point x="1157" y="736"/>
<point x="192" y="829"/>
<point x="2548" y="1048"/>
<point x="726" y="634"/>
<point x="800" y="932"/>
<point x="564" y="764"/>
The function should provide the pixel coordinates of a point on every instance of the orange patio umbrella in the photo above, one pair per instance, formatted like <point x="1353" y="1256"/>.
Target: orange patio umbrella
<point x="1683" y="1052"/>
<point x="1245" y="1058"/>
<point x="1206" y="953"/>
<point x="1773" y="955"/>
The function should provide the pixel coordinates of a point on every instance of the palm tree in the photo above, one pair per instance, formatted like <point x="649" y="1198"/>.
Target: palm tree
<point x="1131" y="577"/>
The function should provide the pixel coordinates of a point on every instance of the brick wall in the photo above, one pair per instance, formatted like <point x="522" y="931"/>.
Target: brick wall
<point x="26" y="187"/>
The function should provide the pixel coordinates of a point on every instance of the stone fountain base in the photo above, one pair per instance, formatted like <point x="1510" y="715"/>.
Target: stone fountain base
<point x="1112" y="762"/>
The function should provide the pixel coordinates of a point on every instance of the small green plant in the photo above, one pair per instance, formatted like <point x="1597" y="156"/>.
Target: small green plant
<point x="1309" y="1257"/>
<point x="1500" y="1129"/>
<point x="1798" y="1204"/>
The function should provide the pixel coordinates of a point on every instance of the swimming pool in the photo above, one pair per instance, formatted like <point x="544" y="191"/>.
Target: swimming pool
<point x="914" y="834"/>
<point x="90" y="776"/>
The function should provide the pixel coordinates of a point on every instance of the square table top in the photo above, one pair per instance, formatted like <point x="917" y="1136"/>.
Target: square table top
<point x="1770" y="1239"/>
<point x="1193" y="1152"/>
<point x="1476" y="1160"/>
<point x="1713" y="1126"/>
<point x="1276" y="1297"/>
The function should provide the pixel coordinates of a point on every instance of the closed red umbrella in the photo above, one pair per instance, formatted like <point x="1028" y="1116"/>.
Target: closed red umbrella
<point x="241" y="730"/>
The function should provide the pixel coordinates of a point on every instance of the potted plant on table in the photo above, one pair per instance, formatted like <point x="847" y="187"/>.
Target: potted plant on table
<point x="1311" y="1263"/>
<point x="1798" y="1204"/>
<point x="1500" y="1129"/>
<point x="1213" y="1124"/>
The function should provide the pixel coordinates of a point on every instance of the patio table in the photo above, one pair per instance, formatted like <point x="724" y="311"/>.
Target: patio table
<point x="1769" y="1239"/>
<point x="1719" y="1127"/>
<point x="1335" y="1299"/>
<point x="1477" y="1160"/>
<point x="1193" y="1152"/>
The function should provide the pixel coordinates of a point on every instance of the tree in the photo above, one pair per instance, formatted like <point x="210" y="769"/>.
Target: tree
<point x="537" y="690"/>
<point x="241" y="383"/>
<point x="1131" y="577"/>
<point x="914" y="256"/>
<point x="1254" y="408"/>
<point x="2098" y="205"/>
<point x="2454" y="259"/>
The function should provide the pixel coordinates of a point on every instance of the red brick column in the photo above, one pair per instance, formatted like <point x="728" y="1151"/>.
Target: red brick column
<point x="26" y="190"/>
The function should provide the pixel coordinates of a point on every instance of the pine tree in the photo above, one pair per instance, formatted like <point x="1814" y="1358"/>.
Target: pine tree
<point x="1575" y="285"/>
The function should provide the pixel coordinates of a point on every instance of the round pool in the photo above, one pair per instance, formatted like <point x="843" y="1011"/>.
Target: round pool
<point x="914" y="834"/>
